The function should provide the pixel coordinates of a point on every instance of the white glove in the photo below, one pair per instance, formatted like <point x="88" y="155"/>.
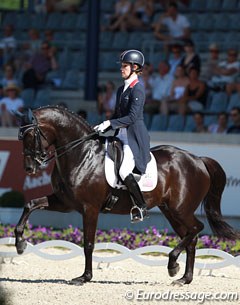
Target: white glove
<point x="103" y="126"/>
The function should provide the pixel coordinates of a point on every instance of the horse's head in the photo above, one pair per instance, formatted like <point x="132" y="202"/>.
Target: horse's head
<point x="35" y="144"/>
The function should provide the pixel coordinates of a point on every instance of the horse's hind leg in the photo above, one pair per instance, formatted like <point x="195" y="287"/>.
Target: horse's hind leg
<point x="188" y="242"/>
<point x="181" y="230"/>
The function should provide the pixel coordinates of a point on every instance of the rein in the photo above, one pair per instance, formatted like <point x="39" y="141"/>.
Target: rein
<point x="69" y="146"/>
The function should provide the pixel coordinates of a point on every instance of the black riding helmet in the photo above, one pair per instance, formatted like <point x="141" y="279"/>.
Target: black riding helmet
<point x="133" y="57"/>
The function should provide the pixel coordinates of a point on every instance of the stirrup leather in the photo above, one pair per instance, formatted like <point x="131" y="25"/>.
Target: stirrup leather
<point x="139" y="214"/>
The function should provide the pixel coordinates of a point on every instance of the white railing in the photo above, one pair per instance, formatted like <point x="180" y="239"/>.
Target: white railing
<point x="123" y="253"/>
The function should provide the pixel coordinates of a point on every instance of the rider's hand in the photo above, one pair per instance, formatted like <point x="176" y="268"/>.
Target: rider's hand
<point x="103" y="126"/>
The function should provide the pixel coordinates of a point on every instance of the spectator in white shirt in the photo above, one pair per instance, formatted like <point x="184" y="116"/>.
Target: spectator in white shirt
<point x="177" y="25"/>
<point x="9" y="104"/>
<point x="227" y="71"/>
<point x="161" y="88"/>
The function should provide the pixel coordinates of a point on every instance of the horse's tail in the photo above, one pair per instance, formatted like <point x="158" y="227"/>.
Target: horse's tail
<point x="212" y="201"/>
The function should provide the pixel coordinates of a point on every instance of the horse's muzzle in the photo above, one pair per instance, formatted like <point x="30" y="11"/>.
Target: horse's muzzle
<point x="30" y="166"/>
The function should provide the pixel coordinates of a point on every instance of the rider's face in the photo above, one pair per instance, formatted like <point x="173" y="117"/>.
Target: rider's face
<point x="125" y="70"/>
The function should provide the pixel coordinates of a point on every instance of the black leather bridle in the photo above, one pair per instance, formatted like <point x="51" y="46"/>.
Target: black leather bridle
<point x="39" y="154"/>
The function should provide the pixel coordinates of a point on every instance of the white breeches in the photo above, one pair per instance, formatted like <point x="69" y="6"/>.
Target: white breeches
<point x="128" y="162"/>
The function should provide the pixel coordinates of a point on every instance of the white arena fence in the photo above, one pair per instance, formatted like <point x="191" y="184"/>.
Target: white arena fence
<point x="223" y="259"/>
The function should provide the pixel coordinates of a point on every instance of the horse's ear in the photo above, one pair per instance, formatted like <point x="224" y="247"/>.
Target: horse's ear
<point x="25" y="117"/>
<point x="18" y="114"/>
<point x="30" y="115"/>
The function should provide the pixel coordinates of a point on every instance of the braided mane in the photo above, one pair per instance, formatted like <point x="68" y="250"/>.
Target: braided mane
<point x="80" y="119"/>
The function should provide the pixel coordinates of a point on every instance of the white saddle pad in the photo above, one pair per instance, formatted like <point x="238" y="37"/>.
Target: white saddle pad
<point x="147" y="183"/>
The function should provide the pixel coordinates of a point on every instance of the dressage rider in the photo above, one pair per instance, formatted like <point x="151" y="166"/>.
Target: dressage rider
<point x="130" y="128"/>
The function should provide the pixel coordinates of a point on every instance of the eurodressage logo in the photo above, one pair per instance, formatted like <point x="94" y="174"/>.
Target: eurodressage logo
<point x="33" y="182"/>
<point x="233" y="181"/>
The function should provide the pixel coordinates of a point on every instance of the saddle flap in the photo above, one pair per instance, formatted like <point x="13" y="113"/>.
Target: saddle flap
<point x="115" y="152"/>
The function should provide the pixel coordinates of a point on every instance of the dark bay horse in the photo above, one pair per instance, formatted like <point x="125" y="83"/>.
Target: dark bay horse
<point x="78" y="181"/>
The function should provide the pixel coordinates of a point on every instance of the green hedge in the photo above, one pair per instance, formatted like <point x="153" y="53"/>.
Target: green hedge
<point x="13" y="199"/>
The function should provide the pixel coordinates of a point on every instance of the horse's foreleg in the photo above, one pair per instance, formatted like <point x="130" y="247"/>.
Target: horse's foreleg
<point x="90" y="218"/>
<point x="39" y="203"/>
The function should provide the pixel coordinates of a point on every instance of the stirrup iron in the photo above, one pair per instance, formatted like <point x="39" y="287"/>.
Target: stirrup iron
<point x="139" y="214"/>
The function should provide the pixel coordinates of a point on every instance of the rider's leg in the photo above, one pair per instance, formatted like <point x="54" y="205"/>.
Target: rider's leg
<point x="125" y="172"/>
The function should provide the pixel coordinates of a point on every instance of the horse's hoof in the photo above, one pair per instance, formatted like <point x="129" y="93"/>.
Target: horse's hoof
<point x="173" y="271"/>
<point x="79" y="281"/>
<point x="181" y="282"/>
<point x="21" y="246"/>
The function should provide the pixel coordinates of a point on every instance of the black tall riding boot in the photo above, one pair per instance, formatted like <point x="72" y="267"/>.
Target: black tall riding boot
<point x="139" y="210"/>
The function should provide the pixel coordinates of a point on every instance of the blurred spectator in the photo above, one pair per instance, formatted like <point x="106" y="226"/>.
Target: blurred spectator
<point x="177" y="25"/>
<point x="10" y="103"/>
<point x="179" y="85"/>
<point x="165" y="3"/>
<point x="175" y="57"/>
<point x="195" y="95"/>
<point x="9" y="76"/>
<point x="49" y="38"/>
<point x="199" y="123"/>
<point x="118" y="21"/>
<point x="161" y="88"/>
<point x="191" y="58"/>
<point x="235" y="117"/>
<point x="8" y="41"/>
<point x="211" y="63"/>
<point x="226" y="72"/>
<point x="140" y="16"/>
<point x="1" y="95"/>
<point x="107" y="99"/>
<point x="1" y="57"/>
<point x="39" y="64"/>
<point x="232" y="88"/>
<point x="33" y="43"/>
<point x="221" y="125"/>
<point x="40" y="6"/>
<point x="147" y="79"/>
<point x="8" y="44"/>
<point x="63" y="5"/>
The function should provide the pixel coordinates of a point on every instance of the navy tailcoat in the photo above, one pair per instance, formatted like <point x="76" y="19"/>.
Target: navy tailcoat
<point x="129" y="114"/>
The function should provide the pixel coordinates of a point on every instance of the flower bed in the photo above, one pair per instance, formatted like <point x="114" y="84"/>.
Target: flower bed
<point x="125" y="237"/>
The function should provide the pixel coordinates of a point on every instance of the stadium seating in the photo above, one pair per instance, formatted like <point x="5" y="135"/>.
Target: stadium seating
<point x="159" y="122"/>
<point x="211" y="21"/>
<point x="219" y="102"/>
<point x="42" y="98"/>
<point x="234" y="101"/>
<point x="189" y="123"/>
<point x="28" y="97"/>
<point x="176" y="122"/>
